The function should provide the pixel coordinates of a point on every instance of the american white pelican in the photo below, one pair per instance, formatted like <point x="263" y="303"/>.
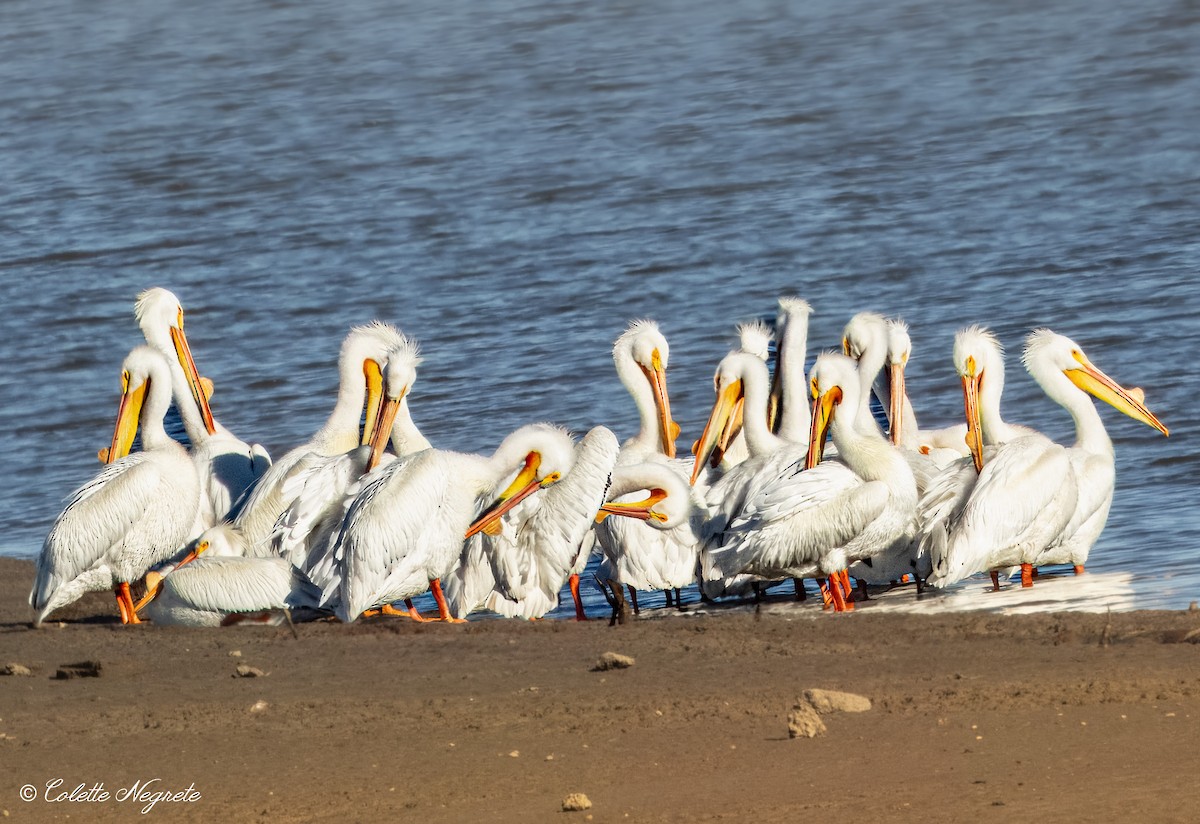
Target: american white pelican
<point x="518" y="568"/>
<point x="740" y="381"/>
<point x="638" y="555"/>
<point x="979" y="362"/>
<point x="1036" y="502"/>
<point x="222" y="586"/>
<point x="138" y="511"/>
<point x="406" y="528"/>
<point x="798" y="520"/>
<point x="227" y="466"/>
<point x="360" y="364"/>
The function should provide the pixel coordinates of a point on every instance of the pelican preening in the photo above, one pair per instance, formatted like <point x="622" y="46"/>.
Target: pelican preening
<point x="341" y="526"/>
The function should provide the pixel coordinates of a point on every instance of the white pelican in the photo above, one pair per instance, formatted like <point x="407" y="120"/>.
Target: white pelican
<point x="360" y="364"/>
<point x="1036" y="502"/>
<point x="518" y="568"/>
<point x="798" y="520"/>
<point x="222" y="586"/>
<point x="638" y="555"/>
<point x="406" y="528"/>
<point x="740" y="382"/>
<point x="979" y="362"/>
<point x="227" y="466"/>
<point x="138" y="511"/>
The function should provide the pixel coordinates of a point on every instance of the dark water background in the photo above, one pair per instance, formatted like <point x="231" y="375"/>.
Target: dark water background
<point x="512" y="182"/>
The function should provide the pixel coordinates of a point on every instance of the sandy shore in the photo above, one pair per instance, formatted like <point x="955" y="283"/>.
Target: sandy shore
<point x="975" y="717"/>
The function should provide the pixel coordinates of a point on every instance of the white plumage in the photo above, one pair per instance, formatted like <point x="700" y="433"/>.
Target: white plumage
<point x="138" y="511"/>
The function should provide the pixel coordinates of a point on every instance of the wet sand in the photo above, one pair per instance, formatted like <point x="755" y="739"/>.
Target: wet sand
<point x="975" y="717"/>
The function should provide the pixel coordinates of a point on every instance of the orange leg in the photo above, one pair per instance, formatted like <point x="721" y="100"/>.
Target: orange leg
<point x="1079" y="569"/>
<point x="835" y="589"/>
<point x="125" y="604"/>
<point x="826" y="594"/>
<point x="843" y="578"/>
<point x="443" y="609"/>
<point x="1026" y="575"/>
<point x="579" y="613"/>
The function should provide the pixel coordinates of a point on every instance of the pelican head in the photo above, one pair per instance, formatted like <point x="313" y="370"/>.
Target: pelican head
<point x="668" y="499"/>
<point x="977" y="353"/>
<point x="142" y="367"/>
<point x="728" y="382"/>
<point x="398" y="376"/>
<point x="160" y="317"/>
<point x="645" y="346"/>
<point x="539" y="454"/>
<point x="899" y="349"/>
<point x="833" y="383"/>
<point x="754" y="338"/>
<point x="366" y="347"/>
<point x="1049" y="352"/>
<point x="865" y="332"/>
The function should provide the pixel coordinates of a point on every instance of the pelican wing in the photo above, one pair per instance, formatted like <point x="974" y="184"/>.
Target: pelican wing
<point x="790" y="517"/>
<point x="1022" y="499"/>
<point x="94" y="522"/>
<point x="233" y="584"/>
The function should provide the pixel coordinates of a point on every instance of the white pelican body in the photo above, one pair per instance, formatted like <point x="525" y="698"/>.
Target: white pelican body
<point x="360" y="364"/>
<point x="1035" y="501"/>
<point x="519" y="571"/>
<point x="138" y="511"/>
<point x="979" y="363"/>
<point x="227" y="466"/>
<point x="222" y="585"/>
<point x="406" y="528"/>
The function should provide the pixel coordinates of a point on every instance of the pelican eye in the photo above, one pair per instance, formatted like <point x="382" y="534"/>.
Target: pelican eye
<point x="816" y="393"/>
<point x="656" y="361"/>
<point x="179" y="319"/>
<point x="553" y="477"/>
<point x="125" y="378"/>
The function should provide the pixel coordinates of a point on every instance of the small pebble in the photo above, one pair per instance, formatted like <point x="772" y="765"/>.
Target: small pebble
<point x="515" y="754"/>
<point x="247" y="671"/>
<point x="235" y="653"/>
<point x="16" y="669"/>
<point x="575" y="802"/>
<point x="612" y="660"/>
<point x="259" y="706"/>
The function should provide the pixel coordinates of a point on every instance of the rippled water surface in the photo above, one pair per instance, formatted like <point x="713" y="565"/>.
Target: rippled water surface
<point x="511" y="183"/>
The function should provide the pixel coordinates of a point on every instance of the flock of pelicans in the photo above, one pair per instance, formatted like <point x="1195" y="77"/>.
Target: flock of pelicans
<point x="217" y="532"/>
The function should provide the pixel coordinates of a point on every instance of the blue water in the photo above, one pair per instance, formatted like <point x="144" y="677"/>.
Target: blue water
<point x="512" y="182"/>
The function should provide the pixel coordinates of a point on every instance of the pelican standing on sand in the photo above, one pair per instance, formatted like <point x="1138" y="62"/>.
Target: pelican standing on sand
<point x="1035" y="501"/>
<point x="138" y="511"/>
<point x="637" y="555"/>
<point x="406" y="528"/>
<point x="227" y="466"/>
